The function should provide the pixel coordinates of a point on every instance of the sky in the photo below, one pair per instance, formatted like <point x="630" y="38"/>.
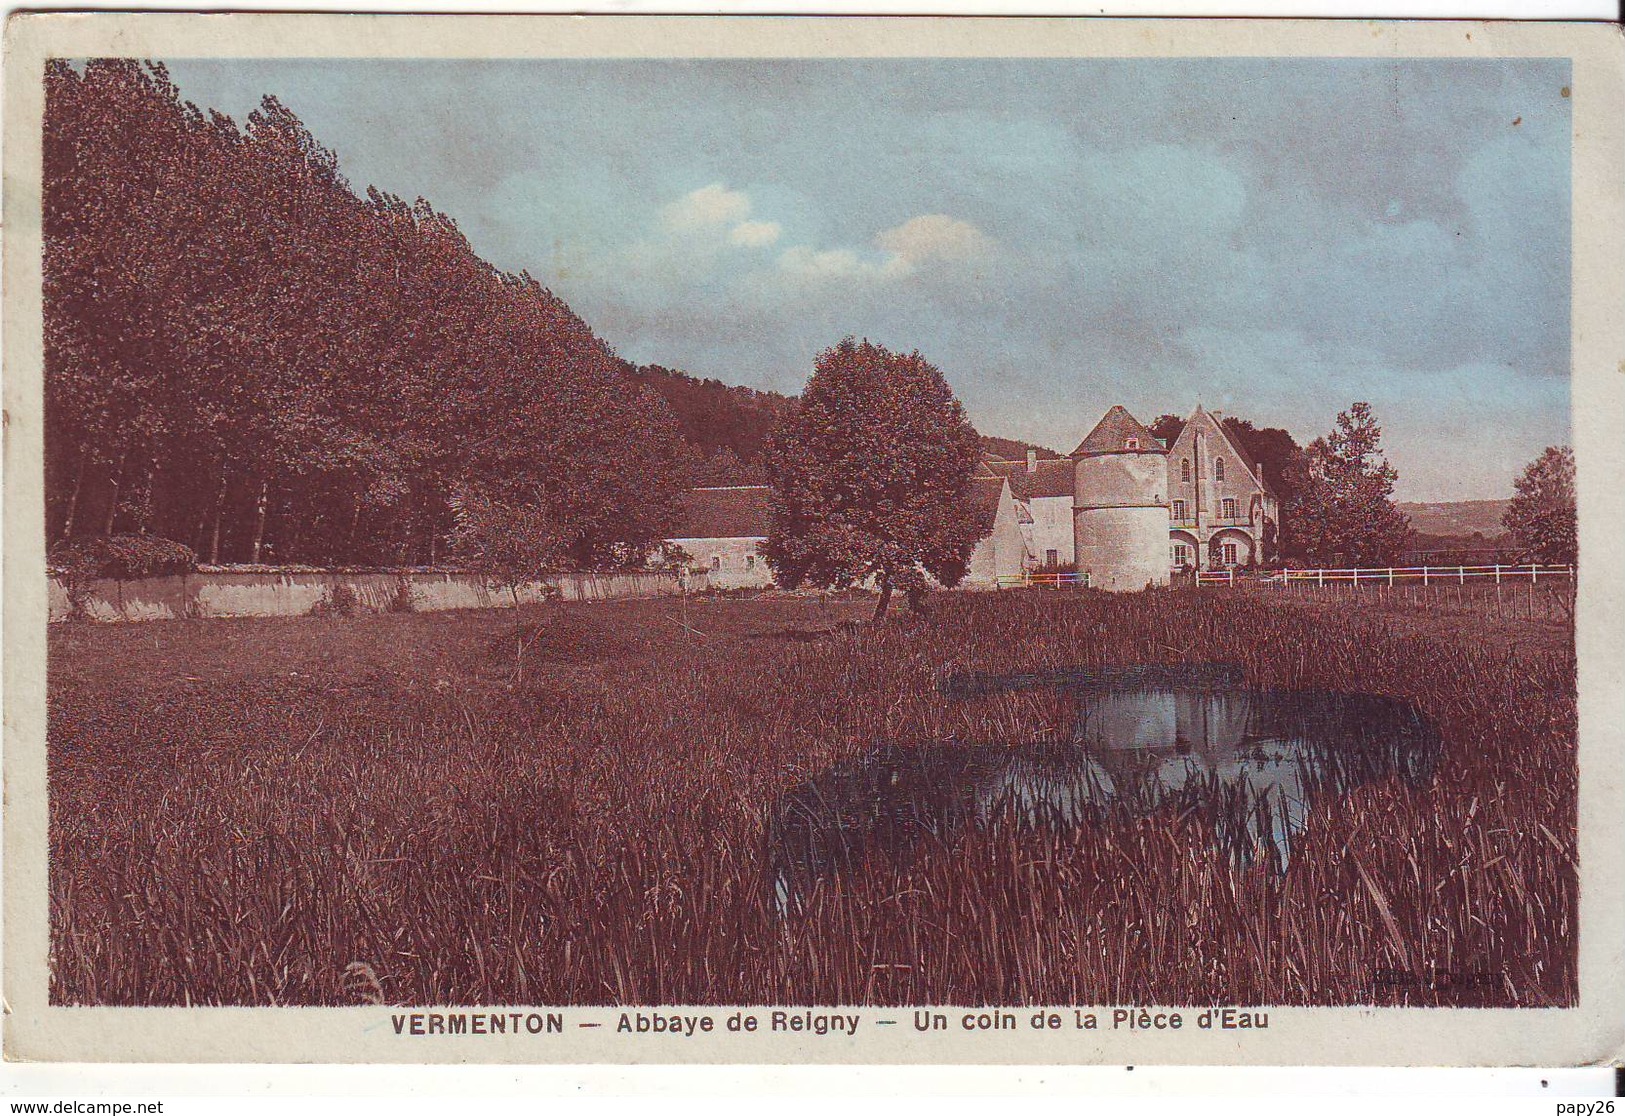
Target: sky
<point x="1271" y="238"/>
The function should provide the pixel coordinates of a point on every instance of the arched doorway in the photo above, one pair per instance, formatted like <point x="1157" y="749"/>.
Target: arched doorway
<point x="1231" y="548"/>
<point x="1184" y="550"/>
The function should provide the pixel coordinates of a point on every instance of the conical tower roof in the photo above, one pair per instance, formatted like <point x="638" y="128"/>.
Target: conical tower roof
<point x="1118" y="432"/>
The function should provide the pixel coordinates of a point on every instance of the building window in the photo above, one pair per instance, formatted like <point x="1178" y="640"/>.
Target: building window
<point x="1177" y="553"/>
<point x="1185" y="469"/>
<point x="1179" y="510"/>
<point x="1230" y="554"/>
<point x="750" y="561"/>
<point x="716" y="562"/>
<point x="1218" y="468"/>
<point x="1052" y="558"/>
<point x="1131" y="443"/>
<point x="1229" y="508"/>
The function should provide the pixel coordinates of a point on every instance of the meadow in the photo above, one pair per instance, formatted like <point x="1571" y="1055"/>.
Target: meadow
<point x="565" y="804"/>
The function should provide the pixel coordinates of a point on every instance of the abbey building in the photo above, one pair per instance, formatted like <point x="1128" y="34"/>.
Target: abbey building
<point x="1129" y="511"/>
<point x="1123" y="510"/>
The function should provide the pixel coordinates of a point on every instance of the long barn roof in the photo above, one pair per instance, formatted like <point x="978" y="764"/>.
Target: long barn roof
<point x="738" y="512"/>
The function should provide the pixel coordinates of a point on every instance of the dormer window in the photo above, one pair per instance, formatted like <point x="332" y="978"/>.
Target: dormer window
<point x="1131" y="443"/>
<point x="1218" y="468"/>
<point x="1185" y="469"/>
<point x="716" y="562"/>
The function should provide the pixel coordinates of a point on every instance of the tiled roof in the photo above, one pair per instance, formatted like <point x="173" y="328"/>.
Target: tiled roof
<point x="1052" y="477"/>
<point x="1119" y="432"/>
<point x="743" y="512"/>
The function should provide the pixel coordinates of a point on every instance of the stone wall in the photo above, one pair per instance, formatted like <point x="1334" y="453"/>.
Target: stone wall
<point x="226" y="593"/>
<point x="734" y="563"/>
<point x="1052" y="527"/>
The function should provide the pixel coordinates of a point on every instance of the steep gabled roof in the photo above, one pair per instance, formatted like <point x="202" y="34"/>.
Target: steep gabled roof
<point x="985" y="494"/>
<point x="1254" y="469"/>
<point x="1119" y="432"/>
<point x="742" y="512"/>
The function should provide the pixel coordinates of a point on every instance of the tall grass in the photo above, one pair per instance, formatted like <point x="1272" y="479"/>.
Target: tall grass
<point x="566" y="804"/>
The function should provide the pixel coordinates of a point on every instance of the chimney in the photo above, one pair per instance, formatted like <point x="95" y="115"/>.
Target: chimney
<point x="1032" y="461"/>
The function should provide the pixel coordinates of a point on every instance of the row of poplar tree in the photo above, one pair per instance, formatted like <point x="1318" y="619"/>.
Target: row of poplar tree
<point x="245" y="357"/>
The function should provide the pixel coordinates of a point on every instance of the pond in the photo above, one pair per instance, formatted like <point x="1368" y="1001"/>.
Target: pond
<point x="1144" y="738"/>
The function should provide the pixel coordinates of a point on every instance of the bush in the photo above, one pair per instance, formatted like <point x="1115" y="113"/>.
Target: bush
<point x="118" y="557"/>
<point x="339" y="600"/>
<point x="122" y="557"/>
<point x="402" y="600"/>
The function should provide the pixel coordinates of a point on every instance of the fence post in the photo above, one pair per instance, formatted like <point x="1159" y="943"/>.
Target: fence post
<point x="1320" y="578"/>
<point x="1498" y="573"/>
<point x="1534" y="574"/>
<point x="1390" y="577"/>
<point x="1356" y="577"/>
<point x="1230" y="578"/>
<point x="1461" y="575"/>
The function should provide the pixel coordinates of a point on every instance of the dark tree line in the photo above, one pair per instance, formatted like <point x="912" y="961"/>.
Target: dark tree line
<point x="727" y="424"/>
<point x="244" y="356"/>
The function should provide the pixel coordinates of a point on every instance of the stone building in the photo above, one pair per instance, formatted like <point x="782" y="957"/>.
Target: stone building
<point x="1120" y="505"/>
<point x="1221" y="512"/>
<point x="1045" y="487"/>
<point x="1122" y="508"/>
<point x="723" y="530"/>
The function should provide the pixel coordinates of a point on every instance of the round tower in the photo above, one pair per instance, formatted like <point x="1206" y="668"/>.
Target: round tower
<point x="1120" y="505"/>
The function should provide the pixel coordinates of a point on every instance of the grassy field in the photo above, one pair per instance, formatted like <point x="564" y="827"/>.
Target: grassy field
<point x="565" y="804"/>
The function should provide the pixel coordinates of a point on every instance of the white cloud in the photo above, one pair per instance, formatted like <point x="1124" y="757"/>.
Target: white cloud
<point x="934" y="237"/>
<point x="837" y="263"/>
<point x="919" y="241"/>
<point x="708" y="207"/>
<point x="755" y="234"/>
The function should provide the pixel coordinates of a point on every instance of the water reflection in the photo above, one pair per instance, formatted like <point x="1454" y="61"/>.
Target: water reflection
<point x="1144" y="738"/>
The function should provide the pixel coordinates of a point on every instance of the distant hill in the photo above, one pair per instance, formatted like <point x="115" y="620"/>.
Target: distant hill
<point x="1011" y="450"/>
<point x="1458" y="518"/>
<point x="714" y="416"/>
<point x="728" y="424"/>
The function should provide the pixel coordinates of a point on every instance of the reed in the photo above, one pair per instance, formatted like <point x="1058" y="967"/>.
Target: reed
<point x="565" y="804"/>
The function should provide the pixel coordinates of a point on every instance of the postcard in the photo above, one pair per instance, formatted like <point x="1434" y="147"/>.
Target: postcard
<point x="792" y="540"/>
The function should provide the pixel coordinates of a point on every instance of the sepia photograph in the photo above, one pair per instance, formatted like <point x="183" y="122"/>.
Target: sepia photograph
<point x="903" y="541"/>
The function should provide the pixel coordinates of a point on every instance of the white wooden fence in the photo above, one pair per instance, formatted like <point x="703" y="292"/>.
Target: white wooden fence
<point x="1392" y="575"/>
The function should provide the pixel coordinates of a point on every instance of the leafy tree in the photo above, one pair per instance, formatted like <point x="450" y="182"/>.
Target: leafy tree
<point x="872" y="477"/>
<point x="509" y="544"/>
<point x="1168" y="428"/>
<point x="1343" y="504"/>
<point x="1273" y="450"/>
<point x="1541" y="515"/>
<point x="724" y="468"/>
